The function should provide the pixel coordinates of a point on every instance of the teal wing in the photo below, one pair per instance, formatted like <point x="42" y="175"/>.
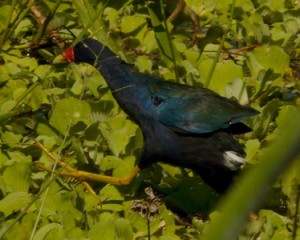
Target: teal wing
<point x="195" y="110"/>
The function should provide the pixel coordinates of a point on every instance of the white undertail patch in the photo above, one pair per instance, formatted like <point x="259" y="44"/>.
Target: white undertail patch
<point x="232" y="160"/>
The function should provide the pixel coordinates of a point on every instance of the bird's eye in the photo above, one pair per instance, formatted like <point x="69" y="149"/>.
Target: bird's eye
<point x="84" y="46"/>
<point x="157" y="100"/>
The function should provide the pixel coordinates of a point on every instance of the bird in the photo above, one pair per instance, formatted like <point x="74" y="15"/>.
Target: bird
<point x="186" y="126"/>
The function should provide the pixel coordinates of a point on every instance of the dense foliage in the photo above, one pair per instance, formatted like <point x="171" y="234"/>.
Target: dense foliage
<point x="247" y="50"/>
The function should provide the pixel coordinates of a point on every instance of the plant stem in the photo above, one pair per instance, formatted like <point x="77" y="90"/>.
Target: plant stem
<point x="169" y="39"/>
<point x="214" y="64"/>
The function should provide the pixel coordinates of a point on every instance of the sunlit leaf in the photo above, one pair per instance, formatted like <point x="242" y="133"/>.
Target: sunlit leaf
<point x="17" y="177"/>
<point x="13" y="202"/>
<point x="132" y="23"/>
<point x="237" y="89"/>
<point x="270" y="57"/>
<point x="224" y="74"/>
<point x="252" y="148"/>
<point x="44" y="231"/>
<point x="105" y="229"/>
<point x="123" y="229"/>
<point x="68" y="112"/>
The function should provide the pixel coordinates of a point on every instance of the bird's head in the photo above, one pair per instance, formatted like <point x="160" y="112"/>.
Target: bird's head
<point x="87" y="50"/>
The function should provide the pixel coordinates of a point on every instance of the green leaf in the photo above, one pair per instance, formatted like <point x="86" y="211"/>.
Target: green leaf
<point x="13" y="202"/>
<point x="237" y="89"/>
<point x="285" y="114"/>
<point x="4" y="16"/>
<point x="45" y="230"/>
<point x="123" y="229"/>
<point x="11" y="138"/>
<point x="109" y="162"/>
<point x="252" y="148"/>
<point x="94" y="82"/>
<point x="124" y="167"/>
<point x="68" y="112"/>
<point x="276" y="219"/>
<point x="227" y="69"/>
<point x="105" y="229"/>
<point x="144" y="64"/>
<point x="17" y="177"/>
<point x="7" y="106"/>
<point x="111" y="198"/>
<point x="68" y="220"/>
<point x="272" y="57"/>
<point x="75" y="233"/>
<point x="132" y="23"/>
<point x="36" y="98"/>
<point x="255" y="27"/>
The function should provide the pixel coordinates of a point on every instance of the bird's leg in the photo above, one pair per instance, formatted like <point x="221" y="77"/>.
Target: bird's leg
<point x="84" y="183"/>
<point x="82" y="176"/>
<point x="119" y="181"/>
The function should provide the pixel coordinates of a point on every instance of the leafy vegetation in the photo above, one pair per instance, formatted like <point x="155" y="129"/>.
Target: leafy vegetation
<point x="247" y="50"/>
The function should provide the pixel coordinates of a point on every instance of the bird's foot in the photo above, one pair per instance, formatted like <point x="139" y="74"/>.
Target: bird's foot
<point x="62" y="173"/>
<point x="83" y="176"/>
